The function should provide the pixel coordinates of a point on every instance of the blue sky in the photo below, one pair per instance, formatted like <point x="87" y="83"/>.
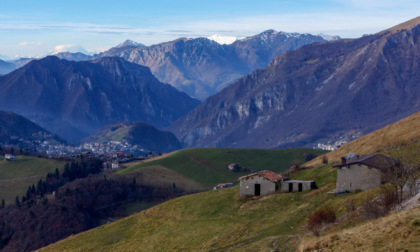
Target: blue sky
<point x="33" y="28"/>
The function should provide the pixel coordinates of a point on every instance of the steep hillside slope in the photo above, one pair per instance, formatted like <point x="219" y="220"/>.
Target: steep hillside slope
<point x="73" y="99"/>
<point x="316" y="93"/>
<point x="201" y="67"/>
<point x="144" y="135"/>
<point x="402" y="132"/>
<point x="397" y="232"/>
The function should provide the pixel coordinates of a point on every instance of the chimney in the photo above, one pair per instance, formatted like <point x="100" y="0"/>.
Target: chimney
<point x="343" y="160"/>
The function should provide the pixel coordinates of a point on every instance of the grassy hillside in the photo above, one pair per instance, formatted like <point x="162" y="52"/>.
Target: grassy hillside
<point x="207" y="166"/>
<point x="396" y="232"/>
<point x="402" y="132"/>
<point x="219" y="220"/>
<point x="157" y="175"/>
<point x="16" y="175"/>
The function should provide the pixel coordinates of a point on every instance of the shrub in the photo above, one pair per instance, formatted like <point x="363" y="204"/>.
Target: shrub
<point x="319" y="218"/>
<point x="325" y="159"/>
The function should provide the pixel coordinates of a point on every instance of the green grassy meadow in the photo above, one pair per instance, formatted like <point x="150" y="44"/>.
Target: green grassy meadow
<point x="16" y="175"/>
<point x="208" y="166"/>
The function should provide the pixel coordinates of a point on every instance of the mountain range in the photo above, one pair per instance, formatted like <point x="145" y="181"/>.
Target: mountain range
<point x="73" y="99"/>
<point x="201" y="67"/>
<point x="316" y="93"/>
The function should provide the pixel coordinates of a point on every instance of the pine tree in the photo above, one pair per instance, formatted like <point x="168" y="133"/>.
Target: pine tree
<point x="17" y="202"/>
<point x="33" y="191"/>
<point x="3" y="204"/>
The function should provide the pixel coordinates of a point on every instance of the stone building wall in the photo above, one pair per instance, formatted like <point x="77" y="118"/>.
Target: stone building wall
<point x="306" y="185"/>
<point x="357" y="177"/>
<point x="247" y="186"/>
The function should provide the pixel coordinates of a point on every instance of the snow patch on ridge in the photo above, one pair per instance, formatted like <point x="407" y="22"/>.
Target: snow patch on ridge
<point x="329" y="37"/>
<point x="223" y="40"/>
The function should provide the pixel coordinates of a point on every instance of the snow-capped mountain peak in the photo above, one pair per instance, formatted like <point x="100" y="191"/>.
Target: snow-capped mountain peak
<point x="329" y="37"/>
<point x="129" y="43"/>
<point x="223" y="40"/>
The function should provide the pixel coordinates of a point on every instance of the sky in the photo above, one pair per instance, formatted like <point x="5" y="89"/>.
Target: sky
<point x="35" y="28"/>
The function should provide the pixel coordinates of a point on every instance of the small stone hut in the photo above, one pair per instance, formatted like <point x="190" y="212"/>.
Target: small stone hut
<point x="297" y="185"/>
<point x="362" y="172"/>
<point x="260" y="183"/>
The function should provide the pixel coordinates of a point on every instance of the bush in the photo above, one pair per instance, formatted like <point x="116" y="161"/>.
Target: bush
<point x="319" y="218"/>
<point x="324" y="159"/>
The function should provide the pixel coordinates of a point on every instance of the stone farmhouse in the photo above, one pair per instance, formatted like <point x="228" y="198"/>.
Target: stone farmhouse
<point x="259" y="183"/>
<point x="362" y="172"/>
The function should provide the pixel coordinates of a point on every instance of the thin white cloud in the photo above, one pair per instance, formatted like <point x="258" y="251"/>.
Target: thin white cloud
<point x="30" y="44"/>
<point x="69" y="48"/>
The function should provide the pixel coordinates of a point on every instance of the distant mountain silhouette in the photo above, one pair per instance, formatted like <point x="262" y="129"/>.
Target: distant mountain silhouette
<point x="73" y="99"/>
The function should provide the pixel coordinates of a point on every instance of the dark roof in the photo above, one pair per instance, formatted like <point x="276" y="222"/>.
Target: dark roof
<point x="272" y="176"/>
<point x="373" y="160"/>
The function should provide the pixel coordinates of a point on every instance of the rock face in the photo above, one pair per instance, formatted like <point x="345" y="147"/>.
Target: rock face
<point x="202" y="67"/>
<point x="142" y="134"/>
<point x="14" y="127"/>
<point x="73" y="99"/>
<point x="317" y="92"/>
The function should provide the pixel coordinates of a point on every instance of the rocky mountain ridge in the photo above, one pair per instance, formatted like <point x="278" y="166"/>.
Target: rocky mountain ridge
<point x="317" y="92"/>
<point x="201" y="67"/>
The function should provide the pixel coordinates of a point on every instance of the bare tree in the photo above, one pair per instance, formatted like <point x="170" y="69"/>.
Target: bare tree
<point x="403" y="172"/>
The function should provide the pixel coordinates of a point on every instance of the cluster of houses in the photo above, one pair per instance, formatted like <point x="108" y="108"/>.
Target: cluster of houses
<point x="103" y="148"/>
<point x="358" y="172"/>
